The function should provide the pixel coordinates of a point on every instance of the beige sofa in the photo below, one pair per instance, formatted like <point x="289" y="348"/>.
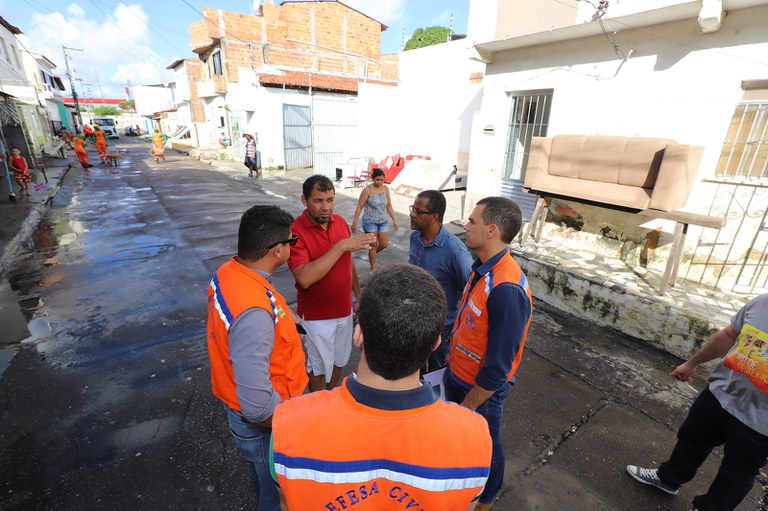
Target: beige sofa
<point x="629" y="172"/>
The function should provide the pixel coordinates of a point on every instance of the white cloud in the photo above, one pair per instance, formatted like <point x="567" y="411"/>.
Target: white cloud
<point x="116" y="48"/>
<point x="443" y="19"/>
<point x="388" y="12"/>
<point x="75" y="10"/>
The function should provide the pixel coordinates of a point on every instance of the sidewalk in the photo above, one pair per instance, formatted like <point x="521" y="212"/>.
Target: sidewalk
<point x="19" y="214"/>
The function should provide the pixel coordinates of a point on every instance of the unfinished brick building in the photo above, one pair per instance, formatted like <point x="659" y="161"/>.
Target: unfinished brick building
<point x="264" y="73"/>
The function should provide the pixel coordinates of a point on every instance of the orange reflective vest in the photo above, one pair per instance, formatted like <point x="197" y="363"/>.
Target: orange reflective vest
<point x="234" y="289"/>
<point x="332" y="453"/>
<point x="78" y="145"/>
<point x="100" y="138"/>
<point x="469" y="341"/>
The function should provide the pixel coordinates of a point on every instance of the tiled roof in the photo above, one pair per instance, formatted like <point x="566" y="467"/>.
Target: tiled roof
<point x="300" y="79"/>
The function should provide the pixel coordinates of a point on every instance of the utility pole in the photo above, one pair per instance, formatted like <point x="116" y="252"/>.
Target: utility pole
<point x="72" y="83"/>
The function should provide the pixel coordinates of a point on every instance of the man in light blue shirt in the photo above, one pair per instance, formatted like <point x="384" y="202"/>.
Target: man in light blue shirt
<point x="443" y="255"/>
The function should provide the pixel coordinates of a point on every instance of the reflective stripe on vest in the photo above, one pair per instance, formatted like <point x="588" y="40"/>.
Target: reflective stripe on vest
<point x="363" y="455"/>
<point x="234" y="289"/>
<point x="469" y="338"/>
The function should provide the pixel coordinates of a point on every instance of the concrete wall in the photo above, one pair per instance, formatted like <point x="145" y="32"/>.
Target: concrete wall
<point x="430" y="112"/>
<point x="151" y="99"/>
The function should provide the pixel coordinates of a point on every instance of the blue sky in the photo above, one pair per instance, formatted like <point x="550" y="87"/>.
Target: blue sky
<point x="138" y="39"/>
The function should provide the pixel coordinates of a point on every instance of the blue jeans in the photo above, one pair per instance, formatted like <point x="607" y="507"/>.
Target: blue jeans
<point x="374" y="227"/>
<point x="707" y="426"/>
<point x="492" y="410"/>
<point x="253" y="442"/>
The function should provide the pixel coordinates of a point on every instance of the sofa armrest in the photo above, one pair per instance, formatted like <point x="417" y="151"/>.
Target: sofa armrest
<point x="538" y="161"/>
<point x="676" y="176"/>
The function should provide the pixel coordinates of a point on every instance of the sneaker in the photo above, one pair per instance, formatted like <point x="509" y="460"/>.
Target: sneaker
<point x="650" y="476"/>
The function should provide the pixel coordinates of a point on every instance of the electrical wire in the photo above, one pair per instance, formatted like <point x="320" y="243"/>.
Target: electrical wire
<point x="654" y="34"/>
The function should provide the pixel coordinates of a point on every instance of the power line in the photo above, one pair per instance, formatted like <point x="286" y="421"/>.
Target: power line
<point x="209" y="21"/>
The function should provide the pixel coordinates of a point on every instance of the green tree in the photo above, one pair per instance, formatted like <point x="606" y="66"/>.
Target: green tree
<point x="103" y="110"/>
<point x="427" y="37"/>
<point x="129" y="105"/>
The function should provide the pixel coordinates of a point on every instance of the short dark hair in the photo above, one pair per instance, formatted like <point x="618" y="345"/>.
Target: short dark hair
<point x="319" y="181"/>
<point x="260" y="227"/>
<point x="376" y="173"/>
<point x="402" y="311"/>
<point x="503" y="212"/>
<point x="436" y="201"/>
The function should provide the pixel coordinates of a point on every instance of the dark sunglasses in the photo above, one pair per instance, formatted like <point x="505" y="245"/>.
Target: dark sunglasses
<point x="292" y="240"/>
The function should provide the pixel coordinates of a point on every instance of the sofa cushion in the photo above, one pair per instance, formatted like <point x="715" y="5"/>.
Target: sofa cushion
<point x="641" y="160"/>
<point x="607" y="193"/>
<point x="565" y="155"/>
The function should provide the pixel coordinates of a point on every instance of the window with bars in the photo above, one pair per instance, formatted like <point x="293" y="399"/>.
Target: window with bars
<point x="529" y="118"/>
<point x="745" y="149"/>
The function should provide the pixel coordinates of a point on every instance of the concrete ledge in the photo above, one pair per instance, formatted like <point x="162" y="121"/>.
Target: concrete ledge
<point x="652" y="318"/>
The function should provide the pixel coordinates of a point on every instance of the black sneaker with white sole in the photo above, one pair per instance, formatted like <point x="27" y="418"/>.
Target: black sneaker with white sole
<point x="651" y="476"/>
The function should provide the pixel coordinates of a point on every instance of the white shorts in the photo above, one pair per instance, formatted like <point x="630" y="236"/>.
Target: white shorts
<point x="328" y="343"/>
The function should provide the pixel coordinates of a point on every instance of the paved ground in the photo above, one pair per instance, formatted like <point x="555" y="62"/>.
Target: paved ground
<point x="106" y="404"/>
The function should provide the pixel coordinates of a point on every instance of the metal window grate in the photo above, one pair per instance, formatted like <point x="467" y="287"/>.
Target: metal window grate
<point x="529" y="118"/>
<point x="745" y="149"/>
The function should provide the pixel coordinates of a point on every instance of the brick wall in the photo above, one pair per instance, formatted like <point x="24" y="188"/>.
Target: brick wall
<point x="194" y="74"/>
<point x="300" y="35"/>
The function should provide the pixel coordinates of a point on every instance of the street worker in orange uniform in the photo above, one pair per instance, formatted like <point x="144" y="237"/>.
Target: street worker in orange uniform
<point x="82" y="156"/>
<point x="382" y="440"/>
<point x="491" y="326"/>
<point x="256" y="356"/>
<point x="101" y="142"/>
<point x="158" y="145"/>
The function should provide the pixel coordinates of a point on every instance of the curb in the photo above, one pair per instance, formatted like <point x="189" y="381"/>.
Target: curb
<point x="30" y="223"/>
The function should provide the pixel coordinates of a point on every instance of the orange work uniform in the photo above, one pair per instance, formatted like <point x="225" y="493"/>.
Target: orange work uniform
<point x="233" y="290"/>
<point x="469" y="341"/>
<point x="101" y="143"/>
<point x="332" y="452"/>
<point x="82" y="156"/>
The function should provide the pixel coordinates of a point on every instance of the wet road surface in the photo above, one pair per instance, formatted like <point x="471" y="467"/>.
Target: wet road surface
<point x="107" y="404"/>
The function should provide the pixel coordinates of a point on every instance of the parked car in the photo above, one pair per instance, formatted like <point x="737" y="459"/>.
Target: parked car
<point x="108" y="125"/>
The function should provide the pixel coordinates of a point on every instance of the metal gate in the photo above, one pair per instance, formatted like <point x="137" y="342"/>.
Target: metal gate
<point x="334" y="123"/>
<point x="297" y="136"/>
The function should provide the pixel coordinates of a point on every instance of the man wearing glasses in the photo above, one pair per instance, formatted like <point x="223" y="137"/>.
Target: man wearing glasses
<point x="326" y="277"/>
<point x="255" y="350"/>
<point x="443" y="255"/>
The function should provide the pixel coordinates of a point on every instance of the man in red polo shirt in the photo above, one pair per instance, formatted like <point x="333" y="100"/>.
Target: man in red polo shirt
<point x="321" y="263"/>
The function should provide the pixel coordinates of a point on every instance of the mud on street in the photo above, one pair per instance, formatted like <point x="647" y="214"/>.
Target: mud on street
<point x="105" y="398"/>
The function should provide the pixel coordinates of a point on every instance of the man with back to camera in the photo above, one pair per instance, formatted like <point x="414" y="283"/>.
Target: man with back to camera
<point x="443" y="255"/>
<point x="326" y="278"/>
<point x="490" y="330"/>
<point x="377" y="447"/>
<point x="255" y="351"/>
<point x="731" y="411"/>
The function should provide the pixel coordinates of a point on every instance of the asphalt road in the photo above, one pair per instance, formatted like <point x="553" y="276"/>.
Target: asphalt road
<point x="108" y="405"/>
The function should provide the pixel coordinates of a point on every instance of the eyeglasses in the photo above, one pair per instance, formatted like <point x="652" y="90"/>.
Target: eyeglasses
<point x="292" y="240"/>
<point x="416" y="210"/>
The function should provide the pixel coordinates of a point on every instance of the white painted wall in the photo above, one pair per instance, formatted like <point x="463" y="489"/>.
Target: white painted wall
<point x="150" y="99"/>
<point x="182" y="83"/>
<point x="678" y="84"/>
<point x="430" y="112"/>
